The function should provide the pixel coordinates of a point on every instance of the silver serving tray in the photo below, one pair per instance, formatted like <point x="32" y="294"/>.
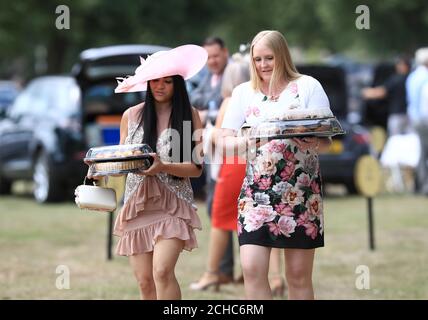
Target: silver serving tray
<point x="98" y="154"/>
<point x="285" y="129"/>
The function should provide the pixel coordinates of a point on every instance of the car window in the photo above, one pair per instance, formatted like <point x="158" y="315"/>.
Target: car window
<point x="40" y="99"/>
<point x="8" y="93"/>
<point x="65" y="100"/>
<point x="23" y="103"/>
<point x="100" y="99"/>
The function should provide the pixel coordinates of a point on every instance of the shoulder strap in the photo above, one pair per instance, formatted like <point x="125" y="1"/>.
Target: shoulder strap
<point x="133" y="119"/>
<point x="134" y="112"/>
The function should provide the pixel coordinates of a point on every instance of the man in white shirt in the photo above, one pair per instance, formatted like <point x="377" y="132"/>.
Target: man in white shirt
<point x="417" y="109"/>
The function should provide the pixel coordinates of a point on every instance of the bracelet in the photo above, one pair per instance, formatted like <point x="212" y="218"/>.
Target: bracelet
<point x="249" y="148"/>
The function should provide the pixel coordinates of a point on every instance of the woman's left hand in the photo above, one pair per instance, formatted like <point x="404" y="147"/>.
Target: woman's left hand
<point x="307" y="143"/>
<point x="157" y="166"/>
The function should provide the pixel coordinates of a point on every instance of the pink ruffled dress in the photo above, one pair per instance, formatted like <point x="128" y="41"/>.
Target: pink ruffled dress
<point x="154" y="206"/>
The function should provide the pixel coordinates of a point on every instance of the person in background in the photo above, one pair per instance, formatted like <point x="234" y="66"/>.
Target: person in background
<point x="227" y="188"/>
<point x="394" y="89"/>
<point x="209" y="89"/>
<point x="417" y="109"/>
<point x="207" y="98"/>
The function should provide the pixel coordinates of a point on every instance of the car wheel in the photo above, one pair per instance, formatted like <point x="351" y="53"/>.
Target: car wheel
<point x="351" y="188"/>
<point x="5" y="186"/>
<point x="46" y="189"/>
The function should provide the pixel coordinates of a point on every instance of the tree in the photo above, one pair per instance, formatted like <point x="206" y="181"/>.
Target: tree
<point x="396" y="26"/>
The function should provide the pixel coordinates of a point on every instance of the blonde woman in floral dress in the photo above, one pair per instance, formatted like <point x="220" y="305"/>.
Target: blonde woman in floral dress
<point x="280" y="204"/>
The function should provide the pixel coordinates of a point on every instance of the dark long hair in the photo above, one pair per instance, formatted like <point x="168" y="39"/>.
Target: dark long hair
<point x="181" y="111"/>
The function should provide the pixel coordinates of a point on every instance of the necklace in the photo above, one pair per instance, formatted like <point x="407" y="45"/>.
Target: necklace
<point x="271" y="98"/>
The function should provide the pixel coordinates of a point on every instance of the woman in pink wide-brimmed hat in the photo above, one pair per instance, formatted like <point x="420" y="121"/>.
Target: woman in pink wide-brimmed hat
<point x="158" y="218"/>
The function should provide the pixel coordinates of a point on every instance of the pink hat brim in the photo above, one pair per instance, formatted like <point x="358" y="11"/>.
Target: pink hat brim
<point x="186" y="61"/>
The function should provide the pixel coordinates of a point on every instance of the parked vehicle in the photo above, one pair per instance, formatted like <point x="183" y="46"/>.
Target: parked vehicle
<point x="56" y="119"/>
<point x="338" y="164"/>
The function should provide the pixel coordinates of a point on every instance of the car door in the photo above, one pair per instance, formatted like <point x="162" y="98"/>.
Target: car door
<point x="18" y="131"/>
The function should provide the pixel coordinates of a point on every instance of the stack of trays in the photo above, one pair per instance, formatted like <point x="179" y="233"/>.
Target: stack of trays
<point x="119" y="159"/>
<point x="284" y="129"/>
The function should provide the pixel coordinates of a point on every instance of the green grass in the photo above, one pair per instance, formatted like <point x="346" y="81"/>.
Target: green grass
<point x="35" y="239"/>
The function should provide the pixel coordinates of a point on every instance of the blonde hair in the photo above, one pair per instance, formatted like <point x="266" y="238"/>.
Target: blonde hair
<point x="237" y="71"/>
<point x="284" y="68"/>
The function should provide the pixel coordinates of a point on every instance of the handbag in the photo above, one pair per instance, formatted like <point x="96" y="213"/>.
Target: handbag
<point x="93" y="197"/>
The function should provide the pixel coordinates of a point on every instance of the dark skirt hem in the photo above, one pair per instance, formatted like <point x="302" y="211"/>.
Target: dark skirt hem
<point x="281" y="246"/>
<point x="298" y="240"/>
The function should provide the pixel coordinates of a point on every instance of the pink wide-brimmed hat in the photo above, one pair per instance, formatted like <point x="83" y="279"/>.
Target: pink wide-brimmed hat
<point x="186" y="61"/>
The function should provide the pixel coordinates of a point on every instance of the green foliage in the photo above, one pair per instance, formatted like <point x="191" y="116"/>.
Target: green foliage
<point x="395" y="26"/>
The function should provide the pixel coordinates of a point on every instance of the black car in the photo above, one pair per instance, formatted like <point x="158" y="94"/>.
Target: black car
<point x="338" y="164"/>
<point x="56" y="119"/>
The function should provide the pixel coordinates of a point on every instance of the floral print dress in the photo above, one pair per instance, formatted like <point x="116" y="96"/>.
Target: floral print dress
<point x="280" y="204"/>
